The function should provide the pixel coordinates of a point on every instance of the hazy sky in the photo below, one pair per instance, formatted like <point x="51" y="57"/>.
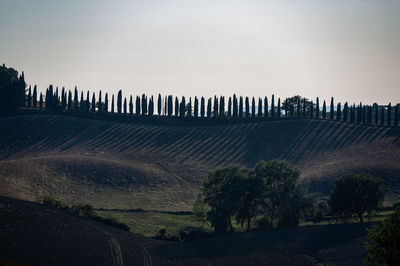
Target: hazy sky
<point x="346" y="49"/>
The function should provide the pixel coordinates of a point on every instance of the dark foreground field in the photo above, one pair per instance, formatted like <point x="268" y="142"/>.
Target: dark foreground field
<point x="36" y="235"/>
<point x="120" y="165"/>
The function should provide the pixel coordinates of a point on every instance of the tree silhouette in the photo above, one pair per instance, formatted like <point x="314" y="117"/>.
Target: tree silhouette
<point x="41" y="101"/>
<point x="112" y="104"/>
<point x="221" y="106"/>
<point x="29" y="96"/>
<point x="159" y="104"/>
<point x="34" y="99"/>
<point x="229" y="106"/>
<point x="324" y="110"/>
<point x="100" y="104"/>
<point x="279" y="108"/>
<point x="182" y="107"/>
<point x="338" y="112"/>
<point x="235" y="106"/>
<point x="389" y="115"/>
<point x="125" y="106"/>
<point x="304" y="108"/>
<point x="266" y="107"/>
<point x="259" y="110"/>
<point x="93" y="109"/>
<point x="12" y="89"/>
<point x="170" y="105"/>
<point x="209" y="108"/>
<point x="189" y="107"/>
<point x="396" y="115"/>
<point x="317" y="109"/>
<point x="298" y="108"/>
<point x="119" y="102"/>
<point x="151" y="106"/>
<point x="247" y="107"/>
<point x="331" y="110"/>
<point x="81" y="103"/>
<point x="130" y="105"/>
<point x="241" y="107"/>
<point x="312" y="110"/>
<point x="69" y="101"/>
<point x="76" y="102"/>
<point x="345" y="112"/>
<point x="215" y="106"/>
<point x="176" y="106"/>
<point x="202" y="107"/>
<point x="369" y="115"/>
<point x="273" y="106"/>
<point x="253" y="108"/>
<point x="382" y="115"/>
<point x="196" y="107"/>
<point x="137" y="110"/>
<point x="106" y="103"/>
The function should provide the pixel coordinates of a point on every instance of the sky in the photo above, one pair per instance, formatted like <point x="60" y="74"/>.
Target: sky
<point x="346" y="49"/>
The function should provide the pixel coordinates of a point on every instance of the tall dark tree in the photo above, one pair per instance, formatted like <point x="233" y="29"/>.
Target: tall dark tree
<point x="100" y="103"/>
<point x="137" y="111"/>
<point x="241" y="107"/>
<point x="376" y="112"/>
<point x="119" y="102"/>
<point x="76" y="102"/>
<point x="279" y="108"/>
<point x="338" y="112"/>
<point x="369" y="115"/>
<point x="165" y="105"/>
<point x="125" y="106"/>
<point x="324" y="110"/>
<point x="389" y="114"/>
<point x="266" y="107"/>
<point x="106" y="103"/>
<point x="69" y="101"/>
<point x="382" y="115"/>
<point x="396" y="115"/>
<point x="34" y="96"/>
<point x="298" y="108"/>
<point x="215" y="106"/>
<point x="112" y="104"/>
<point x="144" y="104"/>
<point x="151" y="106"/>
<point x="63" y="98"/>
<point x="221" y="106"/>
<point x="331" y="110"/>
<point x="247" y="104"/>
<point x="304" y="108"/>
<point x="209" y="108"/>
<point x="196" y="107"/>
<point x="130" y="105"/>
<point x="176" y="106"/>
<point x="273" y="106"/>
<point x="346" y="112"/>
<point x="235" y="106"/>
<point x="312" y="110"/>
<point x="81" y="103"/>
<point x="93" y="109"/>
<point x="259" y="113"/>
<point x="189" y="107"/>
<point x="159" y="104"/>
<point x="253" y="107"/>
<point x="170" y="105"/>
<point x="202" y="107"/>
<point x="317" y="109"/>
<point x="229" y="107"/>
<point x="29" y="96"/>
<point x="182" y="107"/>
<point x="12" y="89"/>
<point x="41" y="101"/>
<point x="50" y="99"/>
<point x="364" y="114"/>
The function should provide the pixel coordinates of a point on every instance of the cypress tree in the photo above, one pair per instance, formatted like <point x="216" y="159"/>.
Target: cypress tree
<point x="298" y="108"/>
<point x="364" y="114"/>
<point x="209" y="108"/>
<point x="317" y="109"/>
<point x="87" y="103"/>
<point x="151" y="106"/>
<point x="119" y="102"/>
<point x="215" y="106"/>
<point x="273" y="107"/>
<point x="247" y="107"/>
<point x="165" y="105"/>
<point x="130" y="105"/>
<point x="144" y="104"/>
<point x="279" y="108"/>
<point x="241" y="107"/>
<point x="229" y="107"/>
<point x="396" y="115"/>
<point x="112" y="104"/>
<point x="106" y="103"/>
<point x="286" y="104"/>
<point x="338" y="112"/>
<point x="189" y="107"/>
<point x="100" y="104"/>
<point x="202" y="107"/>
<point x="81" y="103"/>
<point x="376" y="113"/>
<point x="382" y="116"/>
<point x="259" y="113"/>
<point x="170" y="105"/>
<point x="253" y="107"/>
<point x="182" y="107"/>
<point x="196" y="107"/>
<point x="221" y="106"/>
<point x="159" y="104"/>
<point x="304" y="108"/>
<point x="331" y="110"/>
<point x="69" y="101"/>
<point x="34" y="96"/>
<point x="176" y="106"/>
<point x="266" y="107"/>
<point x="76" y="104"/>
<point x="51" y="99"/>
<point x="41" y="101"/>
<point x="389" y="114"/>
<point x="235" y="106"/>
<point x="125" y="106"/>
<point x="324" y="110"/>
<point x="29" y="96"/>
<point x="137" y="111"/>
<point x="93" y="103"/>
<point x="312" y="110"/>
<point x="369" y="115"/>
<point x="63" y="98"/>
<point x="345" y="112"/>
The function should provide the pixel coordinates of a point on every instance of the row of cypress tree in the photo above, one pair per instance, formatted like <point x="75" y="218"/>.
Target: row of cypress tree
<point x="237" y="107"/>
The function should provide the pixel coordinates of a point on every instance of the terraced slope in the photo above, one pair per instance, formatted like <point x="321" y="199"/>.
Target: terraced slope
<point x="125" y="165"/>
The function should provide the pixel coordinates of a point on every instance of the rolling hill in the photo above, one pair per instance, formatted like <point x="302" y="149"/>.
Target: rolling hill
<point x="123" y="165"/>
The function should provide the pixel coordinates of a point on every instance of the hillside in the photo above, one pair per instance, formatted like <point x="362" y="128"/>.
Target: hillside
<point x="125" y="165"/>
<point x="37" y="235"/>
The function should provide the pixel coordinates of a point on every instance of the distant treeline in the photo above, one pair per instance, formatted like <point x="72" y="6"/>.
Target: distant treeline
<point x="234" y="107"/>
